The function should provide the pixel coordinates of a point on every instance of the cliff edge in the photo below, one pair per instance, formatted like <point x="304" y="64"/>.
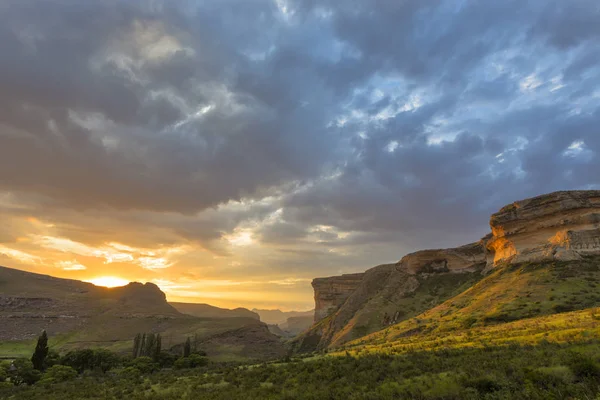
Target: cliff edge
<point x="562" y="226"/>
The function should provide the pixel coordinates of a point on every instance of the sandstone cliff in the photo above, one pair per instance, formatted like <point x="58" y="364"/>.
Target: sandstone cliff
<point x="460" y="259"/>
<point x="561" y="225"/>
<point x="330" y="293"/>
<point x="557" y="226"/>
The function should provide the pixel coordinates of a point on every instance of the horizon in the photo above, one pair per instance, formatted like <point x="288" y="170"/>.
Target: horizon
<point x="232" y="152"/>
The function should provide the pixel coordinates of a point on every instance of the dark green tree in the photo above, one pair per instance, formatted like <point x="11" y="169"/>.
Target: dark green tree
<point x="187" y="348"/>
<point x="142" y="346"/>
<point x="137" y="341"/>
<point x="41" y="351"/>
<point x="157" y="347"/>
<point x="149" y="345"/>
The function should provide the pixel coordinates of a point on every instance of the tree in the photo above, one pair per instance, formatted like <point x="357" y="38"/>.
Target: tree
<point x="145" y="365"/>
<point x="142" y="346"/>
<point x="157" y="347"/>
<point x="41" y="351"/>
<point x="149" y="345"/>
<point x="187" y="348"/>
<point x="80" y="360"/>
<point x="137" y="341"/>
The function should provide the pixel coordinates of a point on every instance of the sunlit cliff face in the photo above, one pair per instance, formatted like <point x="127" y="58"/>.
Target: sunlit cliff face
<point x="230" y="152"/>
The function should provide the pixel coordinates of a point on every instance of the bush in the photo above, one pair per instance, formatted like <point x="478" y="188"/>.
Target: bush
<point x="193" y="361"/>
<point x="144" y="364"/>
<point x="483" y="384"/>
<point x="166" y="360"/>
<point x="58" y="373"/>
<point x="88" y="359"/>
<point x="585" y="368"/>
<point x="24" y="373"/>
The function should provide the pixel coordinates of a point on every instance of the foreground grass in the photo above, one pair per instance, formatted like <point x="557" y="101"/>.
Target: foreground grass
<point x="544" y="371"/>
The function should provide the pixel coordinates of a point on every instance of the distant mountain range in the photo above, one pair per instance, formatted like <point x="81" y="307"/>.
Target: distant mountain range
<point x="78" y="314"/>
<point x="277" y="317"/>
<point x="208" y="311"/>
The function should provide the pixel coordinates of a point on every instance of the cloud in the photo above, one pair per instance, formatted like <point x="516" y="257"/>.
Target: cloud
<point x="274" y="141"/>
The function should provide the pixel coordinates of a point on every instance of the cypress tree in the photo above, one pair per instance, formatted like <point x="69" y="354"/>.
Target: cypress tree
<point x="187" y="348"/>
<point x="157" y="347"/>
<point x="142" y="346"/>
<point x="149" y="346"/>
<point x="41" y="351"/>
<point x="137" y="341"/>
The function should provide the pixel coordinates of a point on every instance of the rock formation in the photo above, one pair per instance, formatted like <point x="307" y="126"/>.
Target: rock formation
<point x="562" y="226"/>
<point x="330" y="293"/>
<point x="460" y="259"/>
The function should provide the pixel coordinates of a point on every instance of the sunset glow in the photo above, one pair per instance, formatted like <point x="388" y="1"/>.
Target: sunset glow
<point x="108" y="281"/>
<point x="233" y="154"/>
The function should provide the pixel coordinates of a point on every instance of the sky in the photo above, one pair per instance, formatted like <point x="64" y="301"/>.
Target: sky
<point x="230" y="151"/>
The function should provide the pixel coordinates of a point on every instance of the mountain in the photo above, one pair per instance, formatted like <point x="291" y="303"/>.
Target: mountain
<point x="531" y="296"/>
<point x="542" y="257"/>
<point x="277" y="317"/>
<point x="297" y="325"/>
<point x="77" y="314"/>
<point x="208" y="311"/>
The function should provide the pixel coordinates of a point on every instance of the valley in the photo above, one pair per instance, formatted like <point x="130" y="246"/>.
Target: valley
<point x="526" y="295"/>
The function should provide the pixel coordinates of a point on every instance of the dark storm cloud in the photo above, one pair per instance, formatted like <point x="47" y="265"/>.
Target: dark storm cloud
<point x="103" y="126"/>
<point x="404" y="123"/>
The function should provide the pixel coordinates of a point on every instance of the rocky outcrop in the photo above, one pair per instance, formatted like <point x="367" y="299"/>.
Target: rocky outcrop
<point x="460" y="259"/>
<point x="560" y="225"/>
<point x="330" y="293"/>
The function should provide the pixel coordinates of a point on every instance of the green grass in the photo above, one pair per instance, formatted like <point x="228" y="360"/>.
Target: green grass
<point x="510" y="293"/>
<point x="544" y="371"/>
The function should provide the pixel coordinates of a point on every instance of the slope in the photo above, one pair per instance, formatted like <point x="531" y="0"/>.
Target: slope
<point x="557" y="233"/>
<point x="77" y="314"/>
<point x="511" y="292"/>
<point x="387" y="294"/>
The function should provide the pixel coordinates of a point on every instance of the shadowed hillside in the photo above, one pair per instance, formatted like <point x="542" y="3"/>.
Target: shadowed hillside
<point x="208" y="311"/>
<point x="78" y="314"/>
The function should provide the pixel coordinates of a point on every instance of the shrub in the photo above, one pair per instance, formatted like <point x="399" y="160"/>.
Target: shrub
<point x="585" y="368"/>
<point x="58" y="373"/>
<point x="193" y="361"/>
<point x="24" y="373"/>
<point x="483" y="384"/>
<point x="144" y="364"/>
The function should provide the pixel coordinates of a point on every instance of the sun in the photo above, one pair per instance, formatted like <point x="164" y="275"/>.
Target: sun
<point x="108" y="281"/>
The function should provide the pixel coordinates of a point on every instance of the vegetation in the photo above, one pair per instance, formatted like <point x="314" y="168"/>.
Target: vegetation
<point x="511" y="293"/>
<point x="543" y="371"/>
<point x="41" y="351"/>
<point x="528" y="331"/>
<point x="147" y="345"/>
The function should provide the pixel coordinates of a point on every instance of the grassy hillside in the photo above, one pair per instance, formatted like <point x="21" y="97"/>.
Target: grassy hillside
<point x="387" y="295"/>
<point x="528" y="331"/>
<point x="80" y="315"/>
<point x="508" y="293"/>
<point x="544" y="371"/>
